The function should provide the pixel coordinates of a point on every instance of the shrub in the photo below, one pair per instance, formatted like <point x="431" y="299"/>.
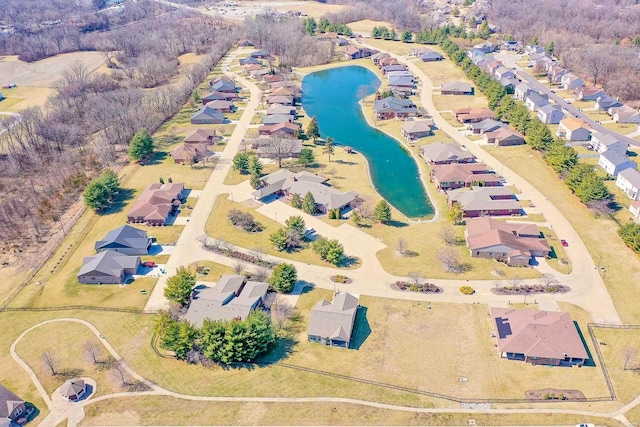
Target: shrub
<point x="244" y="220"/>
<point x="467" y="290"/>
<point x="339" y="278"/>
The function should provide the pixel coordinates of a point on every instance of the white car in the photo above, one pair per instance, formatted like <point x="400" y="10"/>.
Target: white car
<point x="568" y="101"/>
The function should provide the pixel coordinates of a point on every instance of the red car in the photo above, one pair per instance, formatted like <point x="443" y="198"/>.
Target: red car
<point x="149" y="264"/>
<point x="564" y="243"/>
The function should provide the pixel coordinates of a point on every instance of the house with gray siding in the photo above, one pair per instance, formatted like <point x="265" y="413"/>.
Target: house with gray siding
<point x="331" y="323"/>
<point x="107" y="267"/>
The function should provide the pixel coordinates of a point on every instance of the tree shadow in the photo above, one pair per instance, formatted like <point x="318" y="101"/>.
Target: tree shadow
<point x="345" y="162"/>
<point x="411" y="254"/>
<point x="33" y="411"/>
<point x="157" y="158"/>
<point x="120" y="201"/>
<point x="396" y="223"/>
<point x="306" y="286"/>
<point x="349" y="261"/>
<point x="70" y="373"/>
<point x="361" y="329"/>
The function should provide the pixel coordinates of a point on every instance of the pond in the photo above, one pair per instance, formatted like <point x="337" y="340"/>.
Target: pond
<point x="333" y="97"/>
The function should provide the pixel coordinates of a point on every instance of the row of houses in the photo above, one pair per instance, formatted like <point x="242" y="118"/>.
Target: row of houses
<point x="219" y="100"/>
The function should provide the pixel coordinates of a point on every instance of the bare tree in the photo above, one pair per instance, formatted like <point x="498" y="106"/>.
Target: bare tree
<point x="515" y="282"/>
<point x="601" y="207"/>
<point x="50" y="361"/>
<point x="257" y="253"/>
<point x="281" y="311"/>
<point x="261" y="274"/>
<point x="628" y="355"/>
<point x="365" y="207"/>
<point x="92" y="351"/>
<point x="450" y="259"/>
<point x="597" y="64"/>
<point x="548" y="279"/>
<point x="278" y="147"/>
<point x="401" y="247"/>
<point x="120" y="373"/>
<point x="448" y="235"/>
<point x="238" y="266"/>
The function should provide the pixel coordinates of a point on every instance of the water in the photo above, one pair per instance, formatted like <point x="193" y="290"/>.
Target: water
<point x="332" y="96"/>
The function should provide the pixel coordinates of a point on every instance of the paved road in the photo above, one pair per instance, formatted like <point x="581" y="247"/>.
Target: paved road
<point x="510" y="61"/>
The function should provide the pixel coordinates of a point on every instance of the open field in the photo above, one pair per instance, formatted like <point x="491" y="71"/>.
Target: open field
<point x="215" y="270"/>
<point x="46" y="72"/>
<point x="366" y="26"/>
<point x="618" y="344"/>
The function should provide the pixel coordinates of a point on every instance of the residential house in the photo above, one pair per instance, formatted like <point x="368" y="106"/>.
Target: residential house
<point x="511" y="45"/>
<point x="571" y="82"/>
<point x="12" y="408"/>
<point x="378" y="56"/>
<point x="126" y="240"/>
<point x="415" y="129"/>
<point x="603" y="141"/>
<point x="515" y="244"/>
<point x="394" y="67"/>
<point x="555" y="74"/>
<point x="536" y="100"/>
<point x="431" y="57"/>
<point x="504" y="137"/>
<point x="156" y="204"/>
<point x="456" y="88"/>
<point x="589" y="93"/>
<point x="533" y="49"/>
<point x="629" y="181"/>
<point x="268" y="149"/>
<point x="260" y="54"/>
<point x="354" y="52"/>
<point x="247" y="69"/>
<point x="286" y="183"/>
<point x="484" y="201"/>
<point x="390" y="107"/>
<point x="476" y="55"/>
<point x="272" y="78"/>
<point x="491" y="66"/>
<point x="417" y="51"/>
<point x="250" y="61"/>
<point x="550" y="114"/>
<point x="222" y="84"/>
<point x="202" y="136"/>
<point x="331" y="323"/>
<point x="224" y="96"/>
<point x="625" y="114"/>
<point x="73" y="390"/>
<point x="385" y="62"/>
<point x="573" y="129"/>
<point x="278" y="99"/>
<point x="486" y="47"/>
<point x="473" y="114"/>
<point x="232" y="297"/>
<point x="258" y="74"/>
<point x="614" y="162"/>
<point x="634" y="208"/>
<point x="190" y="153"/>
<point x="510" y="83"/>
<point x="485" y="126"/>
<point x="244" y="43"/>
<point x="341" y="41"/>
<point x="538" y="337"/>
<point x="522" y="91"/>
<point x="541" y="59"/>
<point x="459" y="175"/>
<point x="401" y="81"/>
<point x="107" y="267"/>
<point x="285" y="128"/>
<point x="283" y="91"/>
<point x="222" y="106"/>
<point x="274" y="119"/>
<point x="289" y="110"/>
<point x="604" y="103"/>
<point x="443" y="153"/>
<point x="503" y="73"/>
<point x="398" y="73"/>
<point x="207" y="115"/>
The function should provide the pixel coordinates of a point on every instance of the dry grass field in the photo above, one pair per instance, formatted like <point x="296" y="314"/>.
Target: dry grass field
<point x="366" y="26"/>
<point x="311" y="8"/>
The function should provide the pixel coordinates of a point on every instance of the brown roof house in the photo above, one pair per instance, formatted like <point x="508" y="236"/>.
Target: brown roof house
<point x="415" y="129"/>
<point x="504" y="137"/>
<point x="74" y="390"/>
<point x="279" y="99"/>
<point x="459" y="175"/>
<point x="331" y="323"/>
<point x="206" y="136"/>
<point x="457" y="88"/>
<point x="473" y="114"/>
<point x="156" y="203"/>
<point x="195" y="147"/>
<point x="12" y="409"/>
<point x="221" y="105"/>
<point x="485" y="201"/>
<point x="231" y="298"/>
<point x="353" y="52"/>
<point x="538" y="337"/>
<point x="589" y="93"/>
<point x="284" y="127"/>
<point x="515" y="244"/>
<point x="107" y="267"/>
<point x="442" y="153"/>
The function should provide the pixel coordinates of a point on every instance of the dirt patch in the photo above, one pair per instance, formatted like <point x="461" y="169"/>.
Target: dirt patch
<point x="554" y="394"/>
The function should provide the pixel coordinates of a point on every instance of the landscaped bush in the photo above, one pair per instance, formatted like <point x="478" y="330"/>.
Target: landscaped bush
<point x="244" y="220"/>
<point x="413" y="287"/>
<point x="467" y="290"/>
<point x="339" y="278"/>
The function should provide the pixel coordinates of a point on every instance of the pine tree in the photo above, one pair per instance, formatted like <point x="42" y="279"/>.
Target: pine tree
<point x="180" y="286"/>
<point x="241" y="163"/>
<point x="407" y="36"/>
<point x="255" y="166"/>
<point x="313" y="131"/>
<point x="141" y="146"/>
<point x="329" y="147"/>
<point x="382" y="212"/>
<point x="296" y="201"/>
<point x="309" y="204"/>
<point x="254" y="181"/>
<point x="307" y="157"/>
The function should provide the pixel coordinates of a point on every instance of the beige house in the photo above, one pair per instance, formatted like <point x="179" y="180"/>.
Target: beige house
<point x="573" y="129"/>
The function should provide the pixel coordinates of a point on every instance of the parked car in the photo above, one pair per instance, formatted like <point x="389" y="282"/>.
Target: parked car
<point x="309" y="231"/>
<point x="150" y="264"/>
<point x="586" y="425"/>
<point x="564" y="243"/>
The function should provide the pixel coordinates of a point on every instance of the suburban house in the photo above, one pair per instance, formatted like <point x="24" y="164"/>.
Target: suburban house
<point x="378" y="56"/>
<point x="266" y="148"/>
<point x="634" y="208"/>
<point x="604" y="103"/>
<point x="285" y="127"/>
<point x="589" y="93"/>
<point x="222" y="84"/>
<point x="555" y="73"/>
<point x="510" y="45"/>
<point x="401" y="81"/>
<point x="384" y="62"/>
<point x="250" y="60"/>
<point x="279" y="99"/>
<point x="431" y="57"/>
<point x="473" y="114"/>
<point x="486" y="47"/>
<point x="272" y="78"/>
<point x="207" y="116"/>
<point x="219" y="96"/>
<point x="625" y="114"/>
<point x="221" y="105"/>
<point x="476" y="55"/>
<point x="257" y="74"/>
<point x="603" y="141"/>
<point x="12" y="409"/>
<point x="190" y="153"/>
<point x="233" y="297"/>
<point x="353" y="52"/>
<point x="550" y="114"/>
<point x="513" y="243"/>
<point x="206" y="136"/>
<point x="571" y="82"/>
<point x="156" y="203"/>
<point x="244" y="43"/>
<point x="390" y="107"/>
<point x="247" y="69"/>
<point x="274" y="119"/>
<point x="573" y="129"/>
<point x="485" y="201"/>
<point x="614" y="162"/>
<point x="541" y="59"/>
<point x="487" y="125"/>
<point x="456" y="88"/>
<point x="533" y="49"/>
<point x="522" y="91"/>
<point x="415" y="129"/>
<point x="491" y="66"/>
<point x="259" y="54"/>
<point x="459" y="175"/>
<point x="504" y="137"/>
<point x="331" y="323"/>
<point x="281" y="109"/>
<point x="126" y="240"/>
<point x="503" y="73"/>
<point x="283" y="91"/>
<point x="73" y="390"/>
<point x="535" y="100"/>
<point x="286" y="183"/>
<point x="538" y="337"/>
<point x="444" y="153"/>
<point x="387" y="69"/>
<point x="629" y="181"/>
<point x="107" y="267"/>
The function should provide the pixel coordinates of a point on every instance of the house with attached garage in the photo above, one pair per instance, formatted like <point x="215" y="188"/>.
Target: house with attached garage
<point x="223" y="96"/>
<point x="221" y="105"/>
<point x="222" y="84"/>
<point x="459" y="175"/>
<point x="402" y="81"/>
<point x="431" y="57"/>
<point x="614" y="162"/>
<point x="625" y="114"/>
<point x="353" y="52"/>
<point x="331" y="323"/>
<point x="485" y="201"/>
<point x="260" y="54"/>
<point x="274" y="119"/>
<point x="522" y="91"/>
<point x="415" y="129"/>
<point x="629" y="181"/>
<point x="279" y="99"/>
<point x="126" y="240"/>
<point x="107" y="267"/>
<point x="443" y="153"/>
<point x="250" y="61"/>
<point x="589" y="93"/>
<point x="535" y="100"/>
<point x="156" y="204"/>
<point x="538" y="337"/>
<point x="13" y="411"/>
<point x="457" y="88"/>
<point x="503" y="73"/>
<point x="378" y="56"/>
<point x="550" y="114"/>
<point x="390" y="107"/>
<point x="604" y="103"/>
<point x="473" y="114"/>
<point x="281" y="109"/>
<point x="555" y="74"/>
<point x="604" y="141"/>
<point x="573" y="129"/>
<point x="485" y="126"/>
<point x="279" y="128"/>
<point x="571" y="82"/>
<point x="207" y="116"/>
<point x="394" y="67"/>
<point x="509" y="83"/>
<point x="504" y="137"/>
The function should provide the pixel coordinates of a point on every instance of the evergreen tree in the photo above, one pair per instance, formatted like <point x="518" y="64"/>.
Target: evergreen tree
<point x="254" y="181"/>
<point x="592" y="188"/>
<point x="323" y="25"/>
<point x="283" y="278"/>
<point x="141" y="146"/>
<point x="180" y="286"/>
<point x="313" y="131"/>
<point x="309" y="204"/>
<point x="307" y="157"/>
<point x="376" y="33"/>
<point x="255" y="166"/>
<point x="561" y="157"/>
<point x="329" y="147"/>
<point x="310" y="25"/>
<point x="241" y="163"/>
<point x="550" y="48"/>
<point x="297" y="224"/>
<point x="577" y="174"/>
<point x="100" y="192"/>
<point x="382" y="212"/>
<point x="407" y="36"/>
<point x="484" y="31"/>
<point x="296" y="201"/>
<point x="393" y="35"/>
<point x="179" y="337"/>
<point x="279" y="239"/>
<point x="196" y="97"/>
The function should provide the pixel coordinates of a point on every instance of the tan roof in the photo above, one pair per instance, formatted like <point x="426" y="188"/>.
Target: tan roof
<point x="412" y="126"/>
<point x="72" y="387"/>
<point x="573" y="123"/>
<point x="156" y="201"/>
<point x="537" y="333"/>
<point x="443" y="152"/>
<point x="183" y="151"/>
<point x="282" y="91"/>
<point x="474" y="113"/>
<point x="280" y="127"/>
<point x="463" y="172"/>
<point x="201" y="135"/>
<point x="482" y="225"/>
<point x="487" y="233"/>
<point x="502" y="133"/>
<point x="483" y="199"/>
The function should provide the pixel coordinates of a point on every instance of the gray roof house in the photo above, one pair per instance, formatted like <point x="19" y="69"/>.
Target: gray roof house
<point x="603" y="103"/>
<point x="485" y="201"/>
<point x="625" y="114"/>
<point x="614" y="162"/>
<point x="431" y="56"/>
<point x="629" y="181"/>
<point x="486" y="125"/>
<point x="456" y="88"/>
<point x="571" y="82"/>
<point x="401" y="81"/>
<point x="550" y="114"/>
<point x="522" y="91"/>
<point x="274" y="119"/>
<point x="503" y="72"/>
<point x="509" y="83"/>
<point x="414" y="129"/>
<point x="281" y="109"/>
<point x="250" y="60"/>
<point x="392" y="68"/>
<point x="535" y="100"/>
<point x="12" y="408"/>
<point x="107" y="267"/>
<point x="391" y="106"/>
<point x="126" y="240"/>
<point x="603" y="141"/>
<point x="442" y="153"/>
<point x="230" y="298"/>
<point x="207" y="115"/>
<point x="331" y="323"/>
<point x="403" y="73"/>
<point x="223" y="84"/>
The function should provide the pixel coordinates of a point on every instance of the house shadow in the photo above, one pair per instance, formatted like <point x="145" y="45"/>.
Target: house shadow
<point x="361" y="329"/>
<point x="155" y="249"/>
<point x="552" y="252"/>
<point x="32" y="410"/>
<point x="590" y="362"/>
<point x="124" y="195"/>
<point x="157" y="158"/>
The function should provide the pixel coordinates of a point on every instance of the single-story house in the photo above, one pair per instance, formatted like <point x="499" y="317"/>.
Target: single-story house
<point x="250" y="60"/>
<point x="391" y="107"/>
<point x="274" y="119"/>
<point x="244" y="43"/>
<point x="444" y="153"/>
<point x="573" y="129"/>
<point x="202" y="136"/>
<point x="399" y="73"/>
<point x="107" y="267"/>
<point x="417" y="51"/>
<point x="249" y="68"/>
<point x="459" y="175"/>
<point x="331" y="323"/>
<point x="614" y="162"/>
<point x="603" y="141"/>
<point x="221" y="105"/>
<point x="285" y="128"/>
<point x="473" y="114"/>
<point x="223" y="96"/>
<point x="431" y="56"/>
<point x="279" y="99"/>
<point x="550" y="114"/>
<point x="634" y="208"/>
<point x="504" y="137"/>
<point x="535" y="100"/>
<point x="267" y="148"/>
<point x="415" y="129"/>
<point x="522" y="90"/>
<point x="257" y="74"/>
<point x="538" y="337"/>
<point x="514" y="243"/>
<point x="259" y="54"/>
<point x="281" y="109"/>
<point x="604" y="103"/>
<point x="401" y="81"/>
<point x="233" y="297"/>
<point x="190" y="153"/>
<point x="222" y="84"/>
<point x="207" y="115"/>
<point x="487" y="125"/>
<point x="156" y="203"/>
<point x="629" y="181"/>
<point x="384" y="62"/>
<point x="589" y="93"/>
<point x="485" y="201"/>
<point x="283" y="91"/>
<point x="272" y="78"/>
<point x="456" y="88"/>
<point x="625" y="114"/>
<point x="394" y="67"/>
<point x="353" y="52"/>
<point x="571" y="82"/>
<point x="378" y="56"/>
<point x="12" y="408"/>
<point x="126" y="240"/>
<point x="73" y="390"/>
